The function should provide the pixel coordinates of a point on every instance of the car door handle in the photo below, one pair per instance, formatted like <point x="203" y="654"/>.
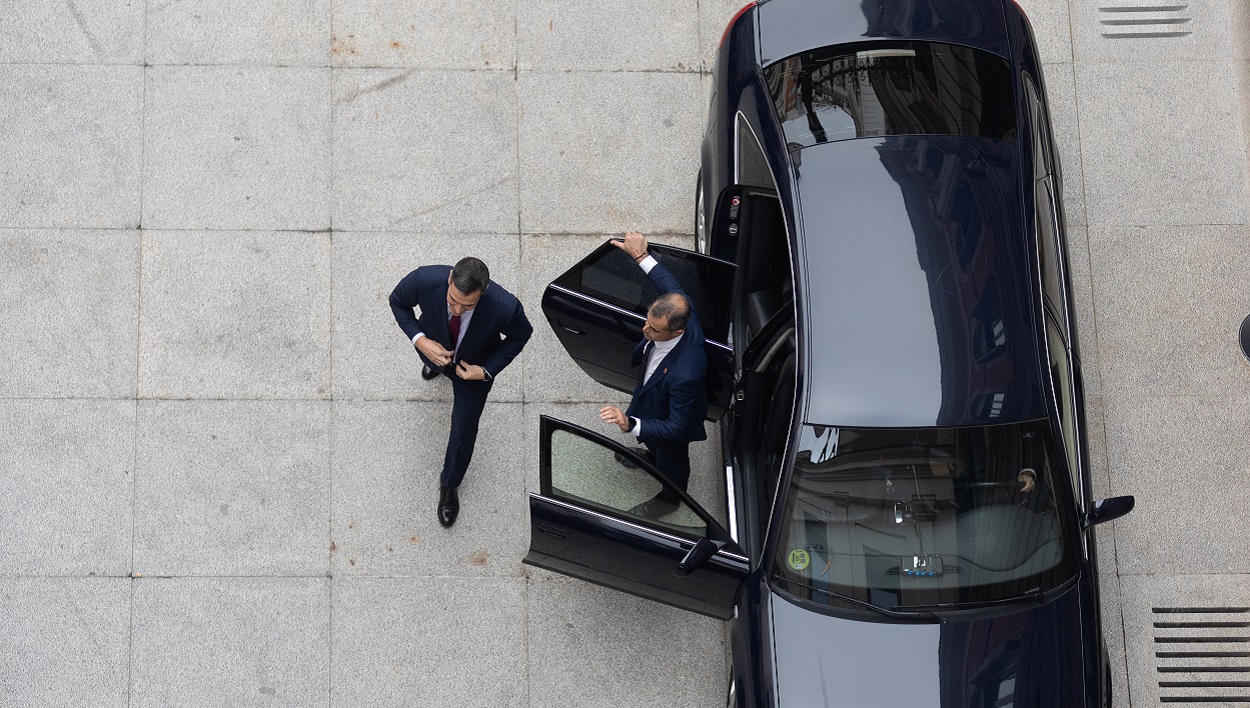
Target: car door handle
<point x="552" y="531"/>
<point x="566" y="326"/>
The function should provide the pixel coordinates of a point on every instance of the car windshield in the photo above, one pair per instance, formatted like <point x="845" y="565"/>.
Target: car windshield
<point x="923" y="518"/>
<point x="891" y="88"/>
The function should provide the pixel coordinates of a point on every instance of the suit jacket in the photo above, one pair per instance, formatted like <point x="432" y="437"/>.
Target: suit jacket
<point x="673" y="403"/>
<point x="496" y="334"/>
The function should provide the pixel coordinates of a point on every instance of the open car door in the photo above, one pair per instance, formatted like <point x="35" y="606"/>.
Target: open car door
<point x="598" y="307"/>
<point x="581" y="525"/>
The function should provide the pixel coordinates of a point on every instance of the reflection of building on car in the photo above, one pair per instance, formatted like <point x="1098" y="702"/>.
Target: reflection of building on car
<point x="881" y="274"/>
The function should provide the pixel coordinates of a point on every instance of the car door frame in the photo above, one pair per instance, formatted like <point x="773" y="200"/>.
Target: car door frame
<point x="624" y="552"/>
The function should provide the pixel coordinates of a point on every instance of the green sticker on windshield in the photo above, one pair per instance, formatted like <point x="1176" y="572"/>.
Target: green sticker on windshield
<point x="799" y="559"/>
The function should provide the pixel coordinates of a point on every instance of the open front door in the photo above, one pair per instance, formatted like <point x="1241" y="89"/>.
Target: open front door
<point x="598" y="307"/>
<point x="581" y="525"/>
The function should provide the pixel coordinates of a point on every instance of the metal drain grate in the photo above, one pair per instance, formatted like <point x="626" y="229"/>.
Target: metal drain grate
<point x="1142" y="21"/>
<point x="1202" y="654"/>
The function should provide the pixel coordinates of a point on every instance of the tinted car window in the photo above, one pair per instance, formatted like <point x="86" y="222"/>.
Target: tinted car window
<point x="1048" y="241"/>
<point x="891" y="88"/>
<point x="1061" y="381"/>
<point x="752" y="167"/>
<point x="913" y="517"/>
<point x="613" y="277"/>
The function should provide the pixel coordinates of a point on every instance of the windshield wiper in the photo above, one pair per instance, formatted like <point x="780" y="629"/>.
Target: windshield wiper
<point x="891" y="613"/>
<point x="1034" y="594"/>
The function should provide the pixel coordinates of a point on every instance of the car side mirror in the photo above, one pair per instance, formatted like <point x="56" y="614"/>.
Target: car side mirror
<point x="1108" y="509"/>
<point x="697" y="555"/>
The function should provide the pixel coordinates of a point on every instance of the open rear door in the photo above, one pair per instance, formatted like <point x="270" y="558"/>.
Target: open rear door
<point x="598" y="307"/>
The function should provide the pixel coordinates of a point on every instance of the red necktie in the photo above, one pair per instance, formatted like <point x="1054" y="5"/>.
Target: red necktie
<point x="453" y="324"/>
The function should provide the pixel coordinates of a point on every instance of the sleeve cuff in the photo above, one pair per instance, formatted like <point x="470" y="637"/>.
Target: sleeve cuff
<point x="648" y="263"/>
<point x="417" y="336"/>
<point x="637" y="431"/>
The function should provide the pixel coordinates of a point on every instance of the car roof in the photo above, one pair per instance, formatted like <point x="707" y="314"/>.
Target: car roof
<point x="920" y="278"/>
<point x="788" y="27"/>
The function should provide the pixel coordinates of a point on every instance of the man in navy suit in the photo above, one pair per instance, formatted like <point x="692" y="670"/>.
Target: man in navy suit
<point x="469" y="329"/>
<point x="670" y="399"/>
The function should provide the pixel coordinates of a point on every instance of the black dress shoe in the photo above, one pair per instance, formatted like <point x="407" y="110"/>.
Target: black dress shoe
<point x="448" y="506"/>
<point x="655" y="508"/>
<point x="643" y="452"/>
<point x="429" y="374"/>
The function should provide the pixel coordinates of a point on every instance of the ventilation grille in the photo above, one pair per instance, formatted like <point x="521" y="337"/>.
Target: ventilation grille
<point x="1202" y="654"/>
<point x="1141" y="21"/>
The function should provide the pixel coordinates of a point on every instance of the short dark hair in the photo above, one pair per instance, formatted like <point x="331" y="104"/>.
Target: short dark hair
<point x="674" y="308"/>
<point x="470" y="275"/>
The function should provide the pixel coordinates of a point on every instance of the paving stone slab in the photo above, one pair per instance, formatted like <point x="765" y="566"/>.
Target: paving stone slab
<point x="372" y="356"/>
<point x="65" y="641"/>
<point x="456" y="642"/>
<point x="66" y="476"/>
<point x="602" y="152"/>
<point x="228" y="147"/>
<point x="418" y="149"/>
<point x="583" y="35"/>
<point x="714" y="16"/>
<point x="1120" y="31"/>
<point x="386" y="465"/>
<point x="474" y="34"/>
<point x="1163" y="616"/>
<point x="1169" y="301"/>
<point x="1184" y="459"/>
<point x="267" y="32"/>
<point x="72" y="146"/>
<point x="231" y="641"/>
<point x="76" y="32"/>
<point x="233" y="488"/>
<point x="235" y="315"/>
<point x="1065" y="126"/>
<point x="1162" y="143"/>
<point x="1052" y="28"/>
<point x="591" y="646"/>
<point x="71" y="313"/>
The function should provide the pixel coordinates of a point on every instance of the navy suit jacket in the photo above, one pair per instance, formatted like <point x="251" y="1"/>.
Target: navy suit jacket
<point x="496" y="334"/>
<point x="672" y="404"/>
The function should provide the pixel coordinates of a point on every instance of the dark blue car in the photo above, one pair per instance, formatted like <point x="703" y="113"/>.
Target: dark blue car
<point x="893" y="363"/>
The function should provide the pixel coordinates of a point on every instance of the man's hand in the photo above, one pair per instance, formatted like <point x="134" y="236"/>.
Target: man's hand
<point x="615" y="416"/>
<point x="433" y="351"/>
<point x="1027" y="479"/>
<point x="470" y="372"/>
<point x="635" y="244"/>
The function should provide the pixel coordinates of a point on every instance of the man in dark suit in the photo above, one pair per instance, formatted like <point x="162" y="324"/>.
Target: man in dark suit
<point x="469" y="329"/>
<point x="670" y="399"/>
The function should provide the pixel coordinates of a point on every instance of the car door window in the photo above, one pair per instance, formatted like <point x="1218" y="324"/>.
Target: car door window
<point x="588" y="473"/>
<point x="1065" y="401"/>
<point x="751" y="168"/>
<point x="1050" y="253"/>
<point x="1039" y="129"/>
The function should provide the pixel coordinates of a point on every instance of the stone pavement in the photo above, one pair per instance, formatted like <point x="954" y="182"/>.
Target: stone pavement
<point x="218" y="461"/>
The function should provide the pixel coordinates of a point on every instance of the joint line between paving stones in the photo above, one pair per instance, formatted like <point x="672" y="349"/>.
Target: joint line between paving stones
<point x="134" y="472"/>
